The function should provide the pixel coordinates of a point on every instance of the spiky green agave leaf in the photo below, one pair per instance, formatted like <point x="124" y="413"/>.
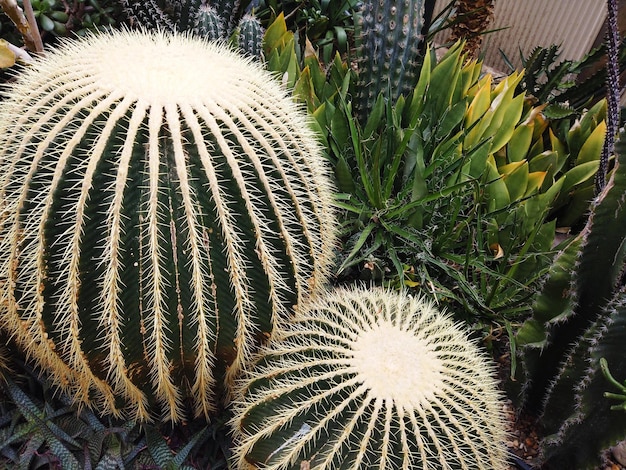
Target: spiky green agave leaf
<point x="370" y="379"/>
<point x="164" y="204"/>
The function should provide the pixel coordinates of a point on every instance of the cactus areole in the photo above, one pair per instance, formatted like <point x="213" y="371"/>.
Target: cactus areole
<point x="164" y="204"/>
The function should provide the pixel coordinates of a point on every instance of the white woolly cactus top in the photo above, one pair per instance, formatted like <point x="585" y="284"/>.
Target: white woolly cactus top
<point x="164" y="203"/>
<point x="370" y="379"/>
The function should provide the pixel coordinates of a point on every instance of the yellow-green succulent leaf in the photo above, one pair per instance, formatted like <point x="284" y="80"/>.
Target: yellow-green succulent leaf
<point x="277" y="34"/>
<point x="578" y="175"/>
<point x="515" y="176"/>
<point x="419" y="93"/>
<point x="496" y="189"/>
<point x="480" y="103"/>
<point x="519" y="143"/>
<point x="304" y="90"/>
<point x="592" y="148"/>
<point x="536" y="180"/>
<point x="505" y="118"/>
<point x="554" y="191"/>
<point x="444" y="80"/>
<point x="478" y="160"/>
<point x="510" y="167"/>
<point x="288" y="65"/>
<point x="548" y="163"/>
<point x="7" y="56"/>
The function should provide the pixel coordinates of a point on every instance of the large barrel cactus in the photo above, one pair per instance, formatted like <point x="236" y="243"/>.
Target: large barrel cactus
<point x="370" y="379"/>
<point x="164" y="204"/>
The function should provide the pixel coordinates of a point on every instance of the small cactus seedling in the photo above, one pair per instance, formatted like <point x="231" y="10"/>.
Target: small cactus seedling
<point x="370" y="379"/>
<point x="164" y="204"/>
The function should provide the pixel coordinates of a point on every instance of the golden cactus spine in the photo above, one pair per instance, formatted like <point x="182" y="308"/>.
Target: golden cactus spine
<point x="163" y="206"/>
<point x="370" y="379"/>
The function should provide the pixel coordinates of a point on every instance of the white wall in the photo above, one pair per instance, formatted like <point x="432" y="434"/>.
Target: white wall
<point x="574" y="24"/>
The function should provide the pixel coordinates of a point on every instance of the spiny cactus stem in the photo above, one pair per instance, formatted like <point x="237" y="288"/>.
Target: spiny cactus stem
<point x="613" y="93"/>
<point x="111" y="324"/>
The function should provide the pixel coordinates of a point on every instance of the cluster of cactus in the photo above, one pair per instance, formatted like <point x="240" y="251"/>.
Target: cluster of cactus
<point x="214" y="20"/>
<point x="161" y="212"/>
<point x="370" y="379"/>
<point x="155" y="232"/>
<point x="578" y="324"/>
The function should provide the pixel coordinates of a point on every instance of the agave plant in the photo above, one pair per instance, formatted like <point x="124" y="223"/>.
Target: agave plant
<point x="457" y="188"/>
<point x="161" y="211"/>
<point x="370" y="379"/>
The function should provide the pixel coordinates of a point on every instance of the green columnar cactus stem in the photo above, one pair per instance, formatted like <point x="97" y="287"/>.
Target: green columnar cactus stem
<point x="578" y="319"/>
<point x="209" y="24"/>
<point x="216" y="20"/>
<point x="578" y="419"/>
<point x="231" y="12"/>
<point x="370" y="379"/>
<point x="250" y="36"/>
<point x="161" y="210"/>
<point x="388" y="45"/>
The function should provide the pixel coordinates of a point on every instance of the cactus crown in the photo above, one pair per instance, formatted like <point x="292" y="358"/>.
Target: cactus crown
<point x="163" y="206"/>
<point x="370" y="379"/>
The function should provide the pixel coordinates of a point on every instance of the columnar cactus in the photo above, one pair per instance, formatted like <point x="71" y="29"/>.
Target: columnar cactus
<point x="370" y="379"/>
<point x="208" y="24"/>
<point x="204" y="18"/>
<point x="164" y="204"/>
<point x="250" y="35"/>
<point x="388" y="41"/>
<point x="578" y="319"/>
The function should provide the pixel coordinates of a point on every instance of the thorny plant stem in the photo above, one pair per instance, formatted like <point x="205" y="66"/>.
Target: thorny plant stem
<point x="613" y="92"/>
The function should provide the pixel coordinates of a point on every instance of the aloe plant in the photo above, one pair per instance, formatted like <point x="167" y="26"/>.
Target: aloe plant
<point x="370" y="379"/>
<point x="161" y="211"/>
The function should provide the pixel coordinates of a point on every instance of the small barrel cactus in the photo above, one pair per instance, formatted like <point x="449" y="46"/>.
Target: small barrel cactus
<point x="163" y="204"/>
<point x="370" y="379"/>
